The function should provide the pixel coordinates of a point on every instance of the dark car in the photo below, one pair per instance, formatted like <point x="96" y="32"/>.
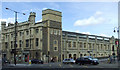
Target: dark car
<point x="36" y="61"/>
<point x="86" y="60"/>
<point x="5" y="61"/>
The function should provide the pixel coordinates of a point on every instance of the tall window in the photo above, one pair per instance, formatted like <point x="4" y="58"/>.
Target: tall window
<point x="37" y="31"/>
<point x="89" y="46"/>
<point x="11" y="44"/>
<point x="27" y="43"/>
<point x="20" y="43"/>
<point x="51" y="31"/>
<point x="20" y="33"/>
<point x="55" y="45"/>
<point x="59" y="32"/>
<point x="15" y="44"/>
<point x="98" y="47"/>
<point x="108" y="47"/>
<point x="6" y="36"/>
<point x="69" y="43"/>
<point x="80" y="44"/>
<point x="84" y="45"/>
<point x="74" y="56"/>
<point x="6" y="45"/>
<point x="11" y="35"/>
<point x="55" y="31"/>
<point x="27" y="32"/>
<point x="55" y="42"/>
<point x="101" y="46"/>
<point x="37" y="41"/>
<point x="74" y="44"/>
<point x="93" y="46"/>
<point x="55" y="48"/>
<point x="105" y="47"/>
<point x="70" y="56"/>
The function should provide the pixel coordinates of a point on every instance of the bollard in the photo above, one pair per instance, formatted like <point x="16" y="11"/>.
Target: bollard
<point x="30" y="62"/>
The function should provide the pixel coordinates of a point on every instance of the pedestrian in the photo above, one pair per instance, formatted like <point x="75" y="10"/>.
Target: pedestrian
<point x="110" y="59"/>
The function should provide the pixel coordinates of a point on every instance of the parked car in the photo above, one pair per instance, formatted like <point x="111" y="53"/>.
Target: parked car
<point x="67" y="61"/>
<point x="36" y="61"/>
<point x="5" y="61"/>
<point x="87" y="60"/>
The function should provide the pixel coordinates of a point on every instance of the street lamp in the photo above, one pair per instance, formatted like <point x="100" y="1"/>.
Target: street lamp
<point x="15" y="32"/>
<point x="117" y="29"/>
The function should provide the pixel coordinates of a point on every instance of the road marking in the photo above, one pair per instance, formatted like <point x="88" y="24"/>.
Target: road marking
<point x="60" y="65"/>
<point x="50" y="65"/>
<point x="101" y="67"/>
<point x="85" y="66"/>
<point x="71" y="65"/>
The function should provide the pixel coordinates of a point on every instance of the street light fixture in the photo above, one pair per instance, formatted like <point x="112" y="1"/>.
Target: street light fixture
<point x="118" y="41"/>
<point x="15" y="31"/>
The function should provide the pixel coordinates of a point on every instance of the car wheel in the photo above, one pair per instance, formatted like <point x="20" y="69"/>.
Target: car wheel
<point x="82" y="63"/>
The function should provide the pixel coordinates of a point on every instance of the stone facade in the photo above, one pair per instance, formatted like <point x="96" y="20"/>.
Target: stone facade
<point x="76" y="45"/>
<point x="45" y="40"/>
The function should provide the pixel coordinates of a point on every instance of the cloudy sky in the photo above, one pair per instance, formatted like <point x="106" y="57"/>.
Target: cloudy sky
<point x="95" y="18"/>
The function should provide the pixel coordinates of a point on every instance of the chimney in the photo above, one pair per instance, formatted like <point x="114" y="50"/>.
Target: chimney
<point x="3" y="25"/>
<point x="32" y="17"/>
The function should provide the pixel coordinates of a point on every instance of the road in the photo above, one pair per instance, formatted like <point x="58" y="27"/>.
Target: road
<point x="61" y="65"/>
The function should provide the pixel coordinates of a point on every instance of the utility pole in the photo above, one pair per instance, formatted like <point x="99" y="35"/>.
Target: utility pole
<point x="15" y="43"/>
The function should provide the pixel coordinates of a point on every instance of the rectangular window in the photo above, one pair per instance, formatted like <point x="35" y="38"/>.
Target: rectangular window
<point x="80" y="44"/>
<point x="6" y="36"/>
<point x="37" y="41"/>
<point x="27" y="43"/>
<point x="51" y="31"/>
<point x="20" y="33"/>
<point x="11" y="44"/>
<point x="27" y="32"/>
<point x="55" y="42"/>
<point x="97" y="47"/>
<point x="11" y="35"/>
<point x="6" y="45"/>
<point x="63" y="45"/>
<point x="89" y="46"/>
<point x="74" y="44"/>
<point x="108" y="47"/>
<point x="93" y="46"/>
<point x="55" y="48"/>
<point x="55" y="31"/>
<point x="37" y="31"/>
<point x="84" y="45"/>
<point x="23" y="33"/>
<point x="16" y="44"/>
<point x="69" y="43"/>
<point x="20" y="43"/>
<point x="59" y="32"/>
<point x="101" y="46"/>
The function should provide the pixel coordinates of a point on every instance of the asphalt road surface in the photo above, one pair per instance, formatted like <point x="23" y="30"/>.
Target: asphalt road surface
<point x="61" y="65"/>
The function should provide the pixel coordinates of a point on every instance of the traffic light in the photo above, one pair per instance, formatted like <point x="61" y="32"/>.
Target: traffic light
<point x="116" y="42"/>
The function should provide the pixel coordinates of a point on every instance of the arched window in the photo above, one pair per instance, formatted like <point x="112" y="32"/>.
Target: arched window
<point x="63" y="57"/>
<point x="70" y="56"/>
<point x="80" y="55"/>
<point x="74" y="56"/>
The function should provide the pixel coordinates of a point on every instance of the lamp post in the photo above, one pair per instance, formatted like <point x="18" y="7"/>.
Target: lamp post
<point x="118" y="54"/>
<point x="15" y="44"/>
